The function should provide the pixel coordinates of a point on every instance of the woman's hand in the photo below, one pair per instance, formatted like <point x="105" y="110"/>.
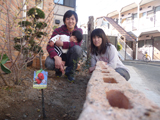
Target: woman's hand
<point x="51" y="43"/>
<point x="59" y="43"/>
<point x="91" y="69"/>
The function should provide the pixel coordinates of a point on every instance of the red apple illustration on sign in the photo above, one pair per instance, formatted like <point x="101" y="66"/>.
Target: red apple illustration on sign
<point x="41" y="76"/>
<point x="38" y="81"/>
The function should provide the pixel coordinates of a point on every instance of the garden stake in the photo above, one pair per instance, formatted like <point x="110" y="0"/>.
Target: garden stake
<point x="43" y="110"/>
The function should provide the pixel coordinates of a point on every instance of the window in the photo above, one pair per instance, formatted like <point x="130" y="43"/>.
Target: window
<point x="140" y="43"/>
<point x="69" y="3"/>
<point x="144" y="14"/>
<point x="148" y="43"/>
<point x="39" y="4"/>
<point x="135" y="22"/>
<point x="120" y="20"/>
<point x="58" y="2"/>
<point x="117" y="21"/>
<point x="129" y="19"/>
<point x="157" y="14"/>
<point x="157" y="8"/>
<point x="150" y="13"/>
<point x="108" y="25"/>
<point x="134" y="15"/>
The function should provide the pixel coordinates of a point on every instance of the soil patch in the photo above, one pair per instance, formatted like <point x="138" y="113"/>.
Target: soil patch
<point x="63" y="100"/>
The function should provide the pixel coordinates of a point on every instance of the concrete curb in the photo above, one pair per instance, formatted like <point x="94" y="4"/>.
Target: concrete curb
<point x="156" y="63"/>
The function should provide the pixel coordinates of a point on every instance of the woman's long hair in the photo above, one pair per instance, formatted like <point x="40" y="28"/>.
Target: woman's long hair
<point x="105" y="42"/>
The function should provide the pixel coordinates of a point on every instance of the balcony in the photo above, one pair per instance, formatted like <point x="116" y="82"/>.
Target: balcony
<point x="146" y="23"/>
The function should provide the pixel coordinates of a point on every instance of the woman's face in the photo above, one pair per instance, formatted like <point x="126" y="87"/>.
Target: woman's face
<point x="70" y="23"/>
<point x="97" y="41"/>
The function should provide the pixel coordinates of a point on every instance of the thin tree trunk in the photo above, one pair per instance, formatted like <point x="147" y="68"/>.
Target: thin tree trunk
<point x="3" y="79"/>
<point x="40" y="60"/>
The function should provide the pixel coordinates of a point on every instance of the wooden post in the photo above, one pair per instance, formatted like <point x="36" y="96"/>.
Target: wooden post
<point x="125" y="44"/>
<point x="43" y="109"/>
<point x="152" y="38"/>
<point x="90" y="29"/>
<point x="134" y="49"/>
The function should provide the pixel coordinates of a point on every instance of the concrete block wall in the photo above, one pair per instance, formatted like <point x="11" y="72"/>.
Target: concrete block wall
<point x="110" y="97"/>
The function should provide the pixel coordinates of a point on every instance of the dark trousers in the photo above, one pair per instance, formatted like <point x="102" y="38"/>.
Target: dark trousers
<point x="71" y="58"/>
<point x="123" y="73"/>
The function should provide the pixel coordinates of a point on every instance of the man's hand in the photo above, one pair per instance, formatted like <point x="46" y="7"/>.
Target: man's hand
<point x="59" y="43"/>
<point x="62" y="67"/>
<point x="59" y="64"/>
<point x="51" y="43"/>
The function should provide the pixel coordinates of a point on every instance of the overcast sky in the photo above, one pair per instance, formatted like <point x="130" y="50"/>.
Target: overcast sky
<point x="96" y="8"/>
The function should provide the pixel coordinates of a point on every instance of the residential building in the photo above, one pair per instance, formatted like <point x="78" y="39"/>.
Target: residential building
<point x="61" y="6"/>
<point x="53" y="9"/>
<point x="140" y="21"/>
<point x="16" y="8"/>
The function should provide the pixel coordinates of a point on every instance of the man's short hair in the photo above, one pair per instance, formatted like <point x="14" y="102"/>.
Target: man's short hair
<point x="68" y="14"/>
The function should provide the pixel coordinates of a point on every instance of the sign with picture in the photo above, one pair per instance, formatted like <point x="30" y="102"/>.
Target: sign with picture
<point x="40" y="79"/>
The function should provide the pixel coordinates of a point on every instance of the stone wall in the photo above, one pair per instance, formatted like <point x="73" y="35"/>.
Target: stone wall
<point x="110" y="97"/>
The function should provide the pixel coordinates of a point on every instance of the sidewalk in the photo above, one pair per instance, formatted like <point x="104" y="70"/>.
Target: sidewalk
<point x="137" y="83"/>
<point x="153" y="62"/>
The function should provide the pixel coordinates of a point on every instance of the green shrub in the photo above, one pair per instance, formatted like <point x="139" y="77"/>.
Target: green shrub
<point x="17" y="39"/>
<point x="37" y="49"/>
<point x="32" y="42"/>
<point x="39" y="34"/>
<point x="41" y="25"/>
<point x="17" y="47"/>
<point x="29" y="31"/>
<point x="24" y="23"/>
<point x="38" y="13"/>
<point x="54" y="27"/>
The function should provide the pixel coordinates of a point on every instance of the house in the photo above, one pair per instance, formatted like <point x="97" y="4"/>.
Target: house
<point x="18" y="8"/>
<point x="53" y="9"/>
<point x="61" y="6"/>
<point x="138" y="25"/>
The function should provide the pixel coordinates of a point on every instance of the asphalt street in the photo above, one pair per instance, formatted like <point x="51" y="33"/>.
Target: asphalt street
<point x="145" y="77"/>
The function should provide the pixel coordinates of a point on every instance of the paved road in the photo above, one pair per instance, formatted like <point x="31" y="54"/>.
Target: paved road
<point x="150" y="74"/>
<point x="146" y="78"/>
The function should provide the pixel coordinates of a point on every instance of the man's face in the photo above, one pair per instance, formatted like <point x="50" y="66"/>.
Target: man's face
<point x="70" y="22"/>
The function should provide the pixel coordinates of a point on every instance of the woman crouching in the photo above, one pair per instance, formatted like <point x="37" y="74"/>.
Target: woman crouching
<point x="102" y="50"/>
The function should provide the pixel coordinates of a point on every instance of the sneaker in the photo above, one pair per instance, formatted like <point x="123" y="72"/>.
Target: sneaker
<point x="66" y="74"/>
<point x="70" y="78"/>
<point x="58" y="73"/>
